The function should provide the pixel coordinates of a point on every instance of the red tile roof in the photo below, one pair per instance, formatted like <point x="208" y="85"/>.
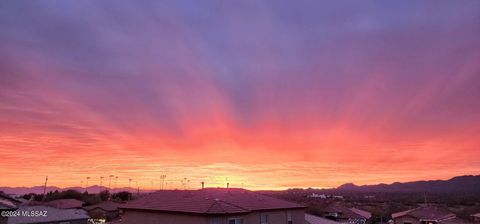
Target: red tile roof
<point x="209" y="201"/>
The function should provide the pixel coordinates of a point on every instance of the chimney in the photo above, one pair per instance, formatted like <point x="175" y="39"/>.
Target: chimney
<point x="203" y="185"/>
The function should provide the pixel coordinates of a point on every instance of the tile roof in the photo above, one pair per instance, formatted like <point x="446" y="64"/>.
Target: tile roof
<point x="454" y="220"/>
<point x="363" y="213"/>
<point x="426" y="213"/>
<point x="347" y="213"/>
<point x="7" y="202"/>
<point x="52" y="215"/>
<point x="106" y="206"/>
<point x="312" y="219"/>
<point x="209" y="201"/>
<point x="64" y="203"/>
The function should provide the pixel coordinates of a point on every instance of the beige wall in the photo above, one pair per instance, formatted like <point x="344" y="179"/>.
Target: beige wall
<point x="275" y="217"/>
<point x="145" y="217"/>
<point x="408" y="219"/>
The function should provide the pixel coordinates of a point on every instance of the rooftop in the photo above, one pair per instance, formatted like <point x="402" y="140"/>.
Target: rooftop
<point x="64" y="203"/>
<point x="426" y="213"/>
<point x="454" y="220"/>
<point x="52" y="215"/>
<point x="7" y="202"/>
<point x="312" y="219"/>
<point x="106" y="206"/>
<point x="345" y="212"/>
<point x="209" y="201"/>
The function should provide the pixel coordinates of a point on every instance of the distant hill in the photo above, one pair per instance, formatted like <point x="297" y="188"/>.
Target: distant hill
<point x="39" y="189"/>
<point x="460" y="184"/>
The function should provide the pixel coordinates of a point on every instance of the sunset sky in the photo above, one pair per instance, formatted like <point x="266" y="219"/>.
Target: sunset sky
<point x="269" y="94"/>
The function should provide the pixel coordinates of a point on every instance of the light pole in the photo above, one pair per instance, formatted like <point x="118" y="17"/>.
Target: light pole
<point x="115" y="184"/>
<point x="86" y="185"/>
<point x="162" y="181"/>
<point x="184" y="183"/>
<point x="110" y="182"/>
<point x="138" y="189"/>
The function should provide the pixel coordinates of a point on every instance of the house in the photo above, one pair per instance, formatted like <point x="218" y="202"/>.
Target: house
<point x="45" y="214"/>
<point x="315" y="195"/>
<point x="426" y="215"/>
<point x="476" y="217"/>
<point x="211" y="206"/>
<point x="343" y="214"/>
<point x="107" y="210"/>
<point x="7" y="204"/>
<point x="313" y="219"/>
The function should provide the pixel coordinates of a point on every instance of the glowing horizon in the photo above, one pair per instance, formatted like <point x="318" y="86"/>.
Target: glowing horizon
<point x="270" y="95"/>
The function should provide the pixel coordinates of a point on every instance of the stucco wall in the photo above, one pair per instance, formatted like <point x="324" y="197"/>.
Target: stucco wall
<point x="146" y="217"/>
<point x="136" y="217"/>
<point x="277" y="217"/>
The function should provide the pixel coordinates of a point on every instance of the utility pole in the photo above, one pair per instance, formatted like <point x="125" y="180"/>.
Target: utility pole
<point x="45" y="188"/>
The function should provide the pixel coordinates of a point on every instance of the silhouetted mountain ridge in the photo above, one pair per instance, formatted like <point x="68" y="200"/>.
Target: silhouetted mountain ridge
<point x="460" y="184"/>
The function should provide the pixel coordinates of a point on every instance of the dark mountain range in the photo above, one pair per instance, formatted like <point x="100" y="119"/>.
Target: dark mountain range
<point x="460" y="184"/>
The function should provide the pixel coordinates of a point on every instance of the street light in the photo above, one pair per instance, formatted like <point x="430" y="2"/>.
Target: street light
<point x="110" y="181"/>
<point x="86" y="186"/>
